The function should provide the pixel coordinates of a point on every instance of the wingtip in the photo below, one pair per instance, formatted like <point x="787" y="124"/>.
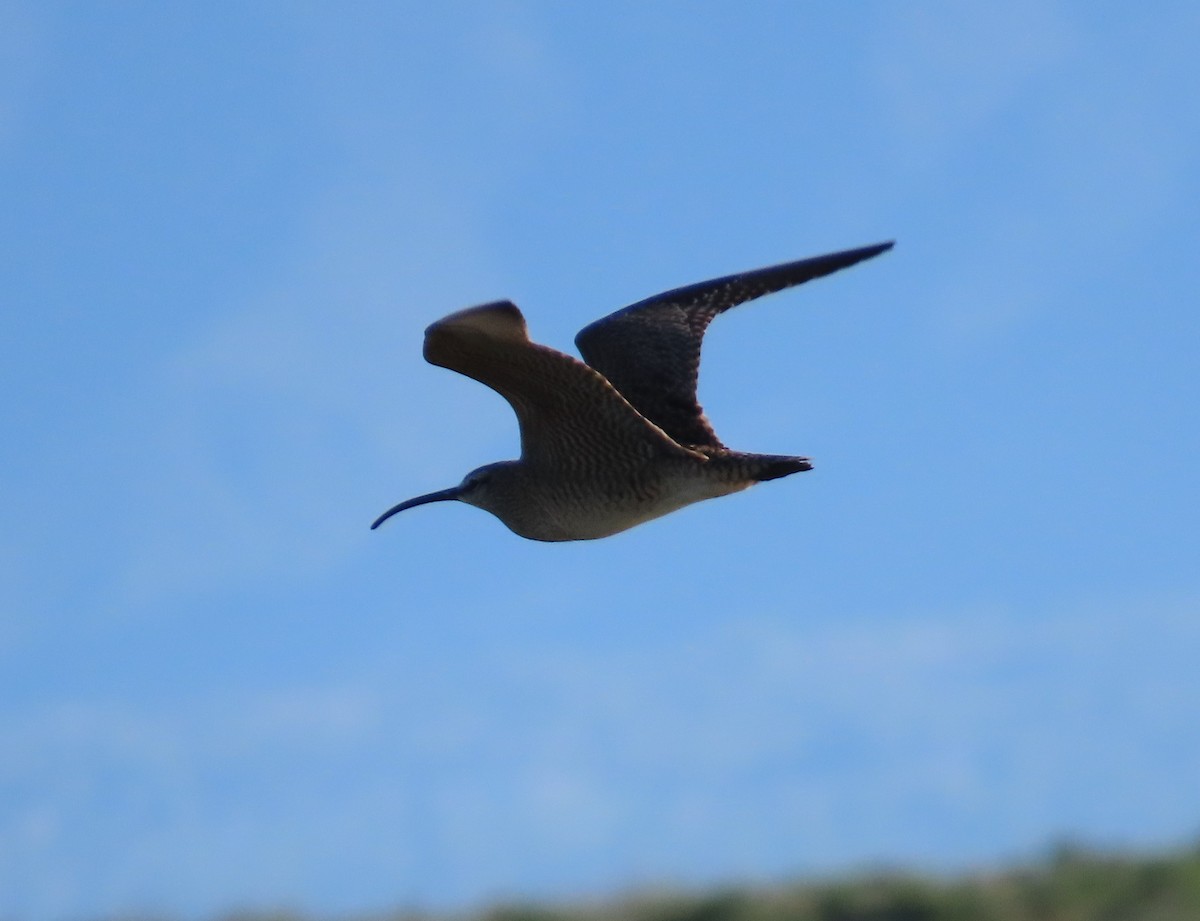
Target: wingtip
<point x="876" y="249"/>
<point x="849" y="257"/>
<point x="499" y="321"/>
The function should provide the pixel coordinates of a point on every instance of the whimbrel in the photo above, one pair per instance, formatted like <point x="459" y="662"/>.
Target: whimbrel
<point x="620" y="440"/>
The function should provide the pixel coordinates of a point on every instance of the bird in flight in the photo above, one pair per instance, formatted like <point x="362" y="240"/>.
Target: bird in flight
<point x="619" y="440"/>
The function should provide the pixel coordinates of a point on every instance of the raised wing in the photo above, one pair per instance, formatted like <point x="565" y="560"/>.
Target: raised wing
<point x="568" y="413"/>
<point x="650" y="351"/>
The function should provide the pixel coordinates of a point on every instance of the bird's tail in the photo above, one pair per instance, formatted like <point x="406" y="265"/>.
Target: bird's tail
<point x="760" y="467"/>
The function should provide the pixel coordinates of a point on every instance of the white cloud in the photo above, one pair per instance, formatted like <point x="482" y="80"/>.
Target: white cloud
<point x="766" y="746"/>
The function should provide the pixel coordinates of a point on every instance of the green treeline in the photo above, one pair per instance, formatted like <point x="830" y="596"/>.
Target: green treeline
<point x="1070" y="885"/>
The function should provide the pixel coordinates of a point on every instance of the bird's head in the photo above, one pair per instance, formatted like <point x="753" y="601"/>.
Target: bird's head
<point x="483" y="487"/>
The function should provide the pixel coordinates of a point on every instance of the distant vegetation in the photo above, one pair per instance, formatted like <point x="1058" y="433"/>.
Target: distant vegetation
<point x="1071" y="885"/>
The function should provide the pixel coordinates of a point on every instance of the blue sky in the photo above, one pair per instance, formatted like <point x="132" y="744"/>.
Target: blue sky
<point x="972" y="630"/>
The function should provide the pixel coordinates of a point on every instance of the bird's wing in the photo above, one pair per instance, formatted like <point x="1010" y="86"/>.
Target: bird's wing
<point x="568" y="413"/>
<point x="650" y="351"/>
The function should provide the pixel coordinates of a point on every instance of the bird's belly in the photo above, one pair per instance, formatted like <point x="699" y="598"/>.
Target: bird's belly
<point x="582" y="516"/>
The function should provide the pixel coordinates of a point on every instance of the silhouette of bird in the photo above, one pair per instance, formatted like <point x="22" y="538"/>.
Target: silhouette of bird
<point x="622" y="439"/>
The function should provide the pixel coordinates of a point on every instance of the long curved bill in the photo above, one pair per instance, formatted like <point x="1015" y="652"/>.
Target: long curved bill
<point x="442" y="495"/>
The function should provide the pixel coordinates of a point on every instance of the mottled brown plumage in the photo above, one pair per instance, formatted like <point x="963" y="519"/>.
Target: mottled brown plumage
<point x="622" y="439"/>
